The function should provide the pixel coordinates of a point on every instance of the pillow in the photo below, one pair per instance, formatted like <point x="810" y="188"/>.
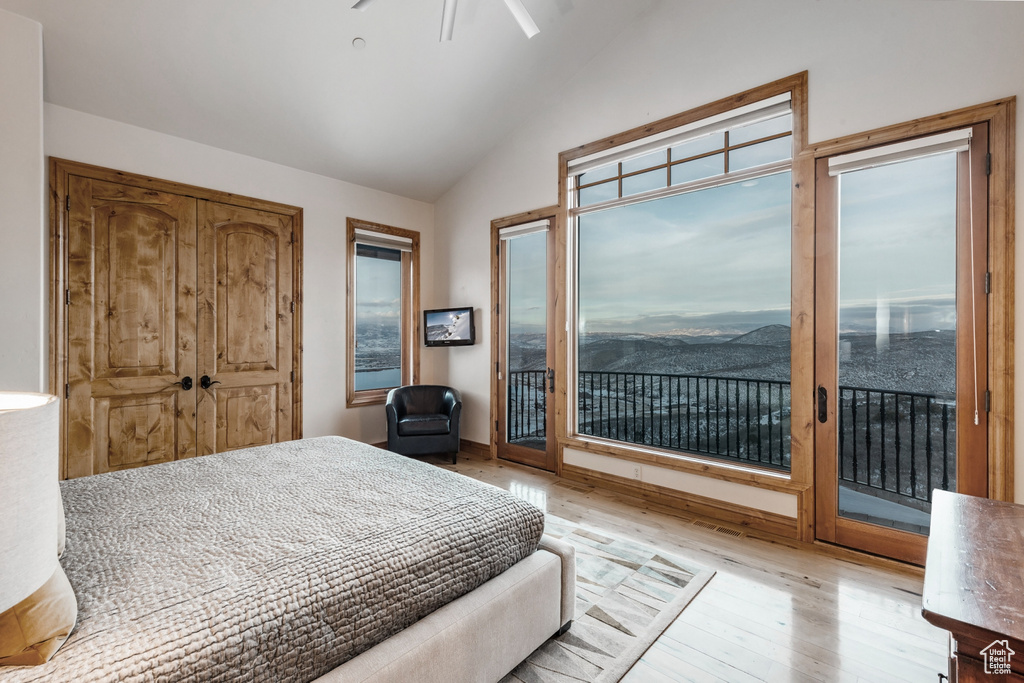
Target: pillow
<point x="32" y="630"/>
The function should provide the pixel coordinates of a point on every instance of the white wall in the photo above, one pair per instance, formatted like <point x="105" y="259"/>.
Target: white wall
<point x="870" y="62"/>
<point x="325" y="202"/>
<point x="777" y="502"/>
<point x="23" y="235"/>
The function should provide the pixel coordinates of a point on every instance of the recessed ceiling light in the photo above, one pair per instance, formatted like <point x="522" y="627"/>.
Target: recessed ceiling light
<point x="358" y="43"/>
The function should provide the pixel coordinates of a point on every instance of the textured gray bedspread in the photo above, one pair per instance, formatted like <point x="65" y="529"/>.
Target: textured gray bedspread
<point x="275" y="563"/>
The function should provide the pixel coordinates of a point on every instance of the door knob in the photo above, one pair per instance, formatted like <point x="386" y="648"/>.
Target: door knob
<point x="185" y="383"/>
<point x="205" y="382"/>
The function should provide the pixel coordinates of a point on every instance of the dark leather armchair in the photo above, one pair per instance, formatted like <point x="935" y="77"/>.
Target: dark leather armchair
<point x="424" y="419"/>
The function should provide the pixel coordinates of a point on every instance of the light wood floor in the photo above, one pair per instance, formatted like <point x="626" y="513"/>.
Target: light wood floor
<point x="773" y="612"/>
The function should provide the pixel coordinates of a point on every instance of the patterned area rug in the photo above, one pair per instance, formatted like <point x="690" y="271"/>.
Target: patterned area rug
<point x="627" y="594"/>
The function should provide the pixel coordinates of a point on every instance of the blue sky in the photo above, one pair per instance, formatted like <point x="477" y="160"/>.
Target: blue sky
<point x="718" y="261"/>
<point x="527" y="282"/>
<point x="379" y="288"/>
<point x="897" y="241"/>
<point x="689" y="263"/>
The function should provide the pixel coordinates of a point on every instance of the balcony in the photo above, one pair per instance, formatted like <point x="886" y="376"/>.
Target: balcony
<point x="893" y="446"/>
<point x="745" y="420"/>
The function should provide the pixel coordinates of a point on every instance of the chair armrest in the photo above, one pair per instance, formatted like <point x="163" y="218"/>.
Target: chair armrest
<point x="395" y="404"/>
<point x="452" y="402"/>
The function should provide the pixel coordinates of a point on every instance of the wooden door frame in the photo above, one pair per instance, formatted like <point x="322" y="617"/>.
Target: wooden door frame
<point x="554" y="314"/>
<point x="59" y="172"/>
<point x="1000" y="117"/>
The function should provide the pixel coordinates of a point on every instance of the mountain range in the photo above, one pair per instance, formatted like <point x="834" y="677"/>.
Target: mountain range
<point x="919" y="361"/>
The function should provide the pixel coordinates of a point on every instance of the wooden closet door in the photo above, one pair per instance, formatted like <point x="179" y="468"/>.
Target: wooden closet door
<point x="131" y="321"/>
<point x="245" y="323"/>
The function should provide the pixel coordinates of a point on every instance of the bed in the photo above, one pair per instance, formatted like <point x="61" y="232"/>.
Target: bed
<point x="321" y="559"/>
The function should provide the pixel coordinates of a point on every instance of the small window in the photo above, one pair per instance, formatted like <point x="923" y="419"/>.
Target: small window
<point x="700" y="146"/>
<point x="647" y="161"/>
<point x="696" y="169"/>
<point x="778" y="149"/>
<point x="383" y="310"/>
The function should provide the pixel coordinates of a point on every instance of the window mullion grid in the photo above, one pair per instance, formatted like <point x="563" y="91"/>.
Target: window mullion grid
<point x="725" y="151"/>
<point x="683" y="188"/>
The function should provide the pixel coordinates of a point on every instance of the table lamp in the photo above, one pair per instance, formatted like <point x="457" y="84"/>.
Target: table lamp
<point x="37" y="605"/>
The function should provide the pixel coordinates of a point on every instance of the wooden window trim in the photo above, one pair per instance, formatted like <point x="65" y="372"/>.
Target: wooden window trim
<point x="800" y="479"/>
<point x="410" y="312"/>
<point x="1000" y="115"/>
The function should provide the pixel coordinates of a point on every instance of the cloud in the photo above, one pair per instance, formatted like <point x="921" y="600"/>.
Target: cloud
<point x="725" y="248"/>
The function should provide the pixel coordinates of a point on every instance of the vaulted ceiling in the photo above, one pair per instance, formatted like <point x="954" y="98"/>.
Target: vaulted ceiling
<point x="282" y="81"/>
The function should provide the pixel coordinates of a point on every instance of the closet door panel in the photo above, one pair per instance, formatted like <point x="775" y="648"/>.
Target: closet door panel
<point x="131" y="326"/>
<point x="245" y="327"/>
<point x="246" y="416"/>
<point x="247" y="293"/>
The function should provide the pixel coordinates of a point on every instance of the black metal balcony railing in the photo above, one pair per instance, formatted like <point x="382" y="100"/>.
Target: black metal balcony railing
<point x="899" y="444"/>
<point x="527" y="403"/>
<point x="728" y="417"/>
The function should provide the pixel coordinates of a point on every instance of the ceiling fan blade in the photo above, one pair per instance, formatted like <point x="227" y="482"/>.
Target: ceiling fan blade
<point x="362" y="4"/>
<point x="448" y="19"/>
<point x="522" y="17"/>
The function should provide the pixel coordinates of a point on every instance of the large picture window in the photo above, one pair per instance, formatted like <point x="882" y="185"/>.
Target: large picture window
<point x="383" y="305"/>
<point x="682" y="284"/>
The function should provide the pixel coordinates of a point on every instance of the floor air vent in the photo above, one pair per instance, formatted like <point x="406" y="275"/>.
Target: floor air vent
<point x="720" y="529"/>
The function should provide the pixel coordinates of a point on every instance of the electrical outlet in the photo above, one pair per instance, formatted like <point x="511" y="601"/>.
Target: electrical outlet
<point x="636" y="472"/>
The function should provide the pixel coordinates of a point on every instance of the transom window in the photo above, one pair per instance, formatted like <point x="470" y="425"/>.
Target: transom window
<point x="699" y="155"/>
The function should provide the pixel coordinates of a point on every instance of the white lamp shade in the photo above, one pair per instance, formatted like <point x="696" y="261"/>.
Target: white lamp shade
<point x="29" y="493"/>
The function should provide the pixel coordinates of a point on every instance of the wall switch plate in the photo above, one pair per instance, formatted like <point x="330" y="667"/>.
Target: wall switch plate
<point x="637" y="472"/>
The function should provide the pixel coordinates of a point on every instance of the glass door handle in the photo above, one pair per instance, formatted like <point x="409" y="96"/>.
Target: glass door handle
<point x="822" y="404"/>
<point x="551" y="380"/>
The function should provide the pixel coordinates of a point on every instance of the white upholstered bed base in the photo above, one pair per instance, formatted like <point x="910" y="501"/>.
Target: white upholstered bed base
<point x="481" y="636"/>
